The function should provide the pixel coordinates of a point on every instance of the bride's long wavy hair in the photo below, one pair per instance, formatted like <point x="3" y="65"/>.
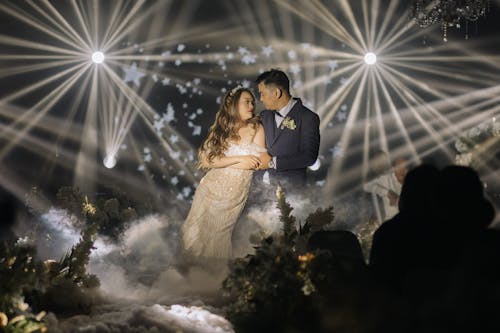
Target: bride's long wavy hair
<point x="226" y="125"/>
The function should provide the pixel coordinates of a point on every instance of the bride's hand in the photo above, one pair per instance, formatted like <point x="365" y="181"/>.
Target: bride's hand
<point x="248" y="162"/>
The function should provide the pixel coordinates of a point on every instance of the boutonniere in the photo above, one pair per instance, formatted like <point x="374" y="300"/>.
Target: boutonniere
<point x="288" y="123"/>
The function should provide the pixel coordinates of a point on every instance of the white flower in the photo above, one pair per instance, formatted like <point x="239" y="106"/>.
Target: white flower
<point x="460" y="146"/>
<point x="495" y="129"/>
<point x="288" y="123"/>
<point x="473" y="132"/>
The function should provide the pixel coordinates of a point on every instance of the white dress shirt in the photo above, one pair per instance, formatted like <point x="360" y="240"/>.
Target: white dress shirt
<point x="284" y="111"/>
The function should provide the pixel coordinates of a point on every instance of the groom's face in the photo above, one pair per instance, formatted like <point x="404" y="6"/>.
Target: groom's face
<point x="269" y="95"/>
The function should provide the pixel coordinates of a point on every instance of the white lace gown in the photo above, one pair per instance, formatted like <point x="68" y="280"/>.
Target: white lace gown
<point x="217" y="205"/>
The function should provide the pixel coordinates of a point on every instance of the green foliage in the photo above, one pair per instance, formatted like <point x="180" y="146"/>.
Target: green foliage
<point x="273" y="289"/>
<point x="110" y="212"/>
<point x="62" y="287"/>
<point x="73" y="266"/>
<point x="317" y="221"/>
<point x="18" y="270"/>
<point x="365" y="233"/>
<point x="70" y="198"/>
<point x="288" y="220"/>
<point x="68" y="287"/>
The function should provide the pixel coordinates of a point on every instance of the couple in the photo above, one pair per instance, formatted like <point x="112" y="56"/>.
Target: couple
<point x="284" y="139"/>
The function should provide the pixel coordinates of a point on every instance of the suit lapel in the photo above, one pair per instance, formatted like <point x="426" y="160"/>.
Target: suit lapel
<point x="270" y="126"/>
<point x="292" y="115"/>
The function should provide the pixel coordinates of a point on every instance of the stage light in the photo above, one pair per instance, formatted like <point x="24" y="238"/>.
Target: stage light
<point x="370" y="58"/>
<point x="110" y="161"/>
<point x="98" y="57"/>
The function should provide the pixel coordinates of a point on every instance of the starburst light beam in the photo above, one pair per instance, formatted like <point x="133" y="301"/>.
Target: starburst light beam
<point x="98" y="57"/>
<point x="370" y="58"/>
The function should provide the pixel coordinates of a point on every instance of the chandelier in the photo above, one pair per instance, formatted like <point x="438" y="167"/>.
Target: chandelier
<point x="449" y="13"/>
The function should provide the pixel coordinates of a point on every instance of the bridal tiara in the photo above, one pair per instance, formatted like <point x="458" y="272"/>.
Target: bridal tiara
<point x="235" y="89"/>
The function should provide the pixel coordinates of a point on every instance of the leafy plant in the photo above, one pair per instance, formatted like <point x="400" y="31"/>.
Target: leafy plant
<point x="273" y="289"/>
<point x="18" y="270"/>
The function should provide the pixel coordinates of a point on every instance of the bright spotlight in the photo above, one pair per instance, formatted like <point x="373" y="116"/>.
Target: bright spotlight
<point x="315" y="166"/>
<point x="370" y="58"/>
<point x="109" y="161"/>
<point x="98" y="57"/>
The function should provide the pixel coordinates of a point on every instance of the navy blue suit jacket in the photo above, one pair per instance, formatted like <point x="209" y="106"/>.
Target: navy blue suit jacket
<point x="296" y="149"/>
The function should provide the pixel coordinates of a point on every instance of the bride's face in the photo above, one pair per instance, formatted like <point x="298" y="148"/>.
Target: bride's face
<point x="246" y="105"/>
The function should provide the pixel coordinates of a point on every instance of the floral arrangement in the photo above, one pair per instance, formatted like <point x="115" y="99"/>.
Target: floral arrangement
<point x="288" y="123"/>
<point x="280" y="286"/>
<point x="473" y="138"/>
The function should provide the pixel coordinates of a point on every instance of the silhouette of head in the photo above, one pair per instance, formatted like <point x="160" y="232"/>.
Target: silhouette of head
<point x="462" y="197"/>
<point x="418" y="194"/>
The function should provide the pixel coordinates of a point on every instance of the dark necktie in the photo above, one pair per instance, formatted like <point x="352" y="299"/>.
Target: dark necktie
<point x="276" y="113"/>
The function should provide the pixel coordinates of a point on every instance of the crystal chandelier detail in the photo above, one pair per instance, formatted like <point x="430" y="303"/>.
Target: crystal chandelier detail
<point x="449" y="13"/>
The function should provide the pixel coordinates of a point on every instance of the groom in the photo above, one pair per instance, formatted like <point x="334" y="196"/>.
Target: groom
<point x="292" y="130"/>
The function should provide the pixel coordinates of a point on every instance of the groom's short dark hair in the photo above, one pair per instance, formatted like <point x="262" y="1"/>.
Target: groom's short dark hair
<point x="276" y="77"/>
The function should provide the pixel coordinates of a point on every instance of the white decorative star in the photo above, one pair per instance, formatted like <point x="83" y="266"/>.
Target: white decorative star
<point x="342" y="115"/>
<point x="243" y="50"/>
<point x="174" y="138"/>
<point x="248" y="59"/>
<point x="175" y="155"/>
<point x="267" y="50"/>
<point x="132" y="74"/>
<point x="186" y="191"/>
<point x="169" y="116"/>
<point x="295" y="68"/>
<point x="333" y="64"/>
<point x="159" y="125"/>
<point x="337" y="151"/>
<point x="196" y="130"/>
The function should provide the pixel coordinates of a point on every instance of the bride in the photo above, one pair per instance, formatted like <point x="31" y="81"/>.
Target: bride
<point x="230" y="155"/>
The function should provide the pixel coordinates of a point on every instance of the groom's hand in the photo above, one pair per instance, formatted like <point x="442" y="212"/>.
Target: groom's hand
<point x="264" y="161"/>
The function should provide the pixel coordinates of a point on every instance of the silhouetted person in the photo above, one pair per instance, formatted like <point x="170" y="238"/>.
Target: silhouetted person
<point x="343" y="245"/>
<point x="397" y="244"/>
<point x="8" y="210"/>
<point x="424" y="253"/>
<point x="387" y="187"/>
<point x="474" y="287"/>
<point x="463" y="206"/>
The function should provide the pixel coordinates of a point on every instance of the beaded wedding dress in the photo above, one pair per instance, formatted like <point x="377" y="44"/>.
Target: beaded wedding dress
<point x="217" y="205"/>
